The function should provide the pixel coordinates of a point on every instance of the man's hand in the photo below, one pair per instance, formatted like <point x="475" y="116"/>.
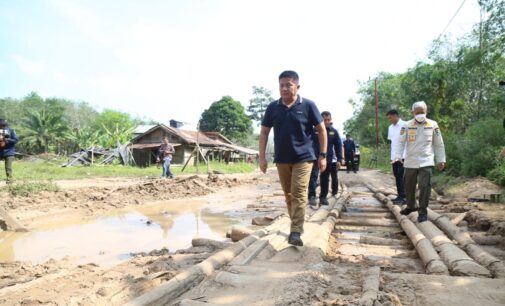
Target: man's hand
<point x="322" y="164"/>
<point x="441" y="166"/>
<point x="396" y="161"/>
<point x="263" y="164"/>
<point x="339" y="164"/>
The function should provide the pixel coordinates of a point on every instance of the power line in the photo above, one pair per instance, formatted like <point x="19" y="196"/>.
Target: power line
<point x="450" y="21"/>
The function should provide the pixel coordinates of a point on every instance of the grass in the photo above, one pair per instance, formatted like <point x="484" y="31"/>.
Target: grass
<point x="44" y="170"/>
<point x="29" y="188"/>
<point x="383" y="158"/>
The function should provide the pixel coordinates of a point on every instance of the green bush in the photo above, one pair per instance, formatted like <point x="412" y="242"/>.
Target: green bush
<point x="498" y="173"/>
<point x="475" y="153"/>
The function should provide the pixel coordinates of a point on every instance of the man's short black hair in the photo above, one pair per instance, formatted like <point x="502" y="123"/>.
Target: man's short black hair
<point x="325" y="114"/>
<point x="289" y="74"/>
<point x="393" y="112"/>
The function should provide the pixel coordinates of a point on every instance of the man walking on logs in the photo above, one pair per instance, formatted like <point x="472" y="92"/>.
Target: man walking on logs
<point x="8" y="140"/>
<point x="422" y="141"/>
<point x="398" y="171"/>
<point x="293" y="119"/>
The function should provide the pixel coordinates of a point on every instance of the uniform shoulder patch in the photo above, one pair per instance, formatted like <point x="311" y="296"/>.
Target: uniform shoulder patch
<point x="437" y="131"/>
<point x="402" y="131"/>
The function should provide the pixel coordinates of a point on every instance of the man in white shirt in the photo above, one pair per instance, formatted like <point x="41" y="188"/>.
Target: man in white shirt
<point x="393" y="136"/>
<point x="422" y="141"/>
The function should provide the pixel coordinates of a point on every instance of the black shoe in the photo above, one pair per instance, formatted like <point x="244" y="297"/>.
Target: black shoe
<point x="323" y="201"/>
<point x="407" y="211"/>
<point x="294" y="239"/>
<point x="313" y="202"/>
<point x="422" y="218"/>
<point x="399" y="201"/>
<point x="333" y="194"/>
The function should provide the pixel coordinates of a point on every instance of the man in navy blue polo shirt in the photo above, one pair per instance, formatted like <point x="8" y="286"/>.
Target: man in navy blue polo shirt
<point x="293" y="119"/>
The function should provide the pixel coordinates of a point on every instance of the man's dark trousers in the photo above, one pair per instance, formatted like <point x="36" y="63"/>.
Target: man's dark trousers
<point x="398" y="173"/>
<point x="412" y="176"/>
<point x="349" y="160"/>
<point x="8" y="166"/>
<point x="325" y="181"/>
<point x="334" y="178"/>
<point x="313" y="180"/>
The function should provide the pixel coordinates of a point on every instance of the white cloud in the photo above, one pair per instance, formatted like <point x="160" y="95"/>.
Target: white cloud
<point x="30" y="67"/>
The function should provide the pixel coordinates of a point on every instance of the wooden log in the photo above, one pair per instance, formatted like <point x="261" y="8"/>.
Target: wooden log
<point x="262" y="221"/>
<point x="198" y="242"/>
<point x="368" y="222"/>
<point x="386" y="215"/>
<point x="187" y="302"/>
<point x="11" y="223"/>
<point x="457" y="260"/>
<point x="376" y="209"/>
<point x="432" y="262"/>
<point x="248" y="254"/>
<point x="456" y="220"/>
<point x="239" y="232"/>
<point x="489" y="261"/>
<point x="370" y="287"/>
<point x="483" y="239"/>
<point x="166" y="292"/>
<point x="383" y="241"/>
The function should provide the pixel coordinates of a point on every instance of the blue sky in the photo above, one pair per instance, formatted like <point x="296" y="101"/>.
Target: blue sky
<point x="172" y="59"/>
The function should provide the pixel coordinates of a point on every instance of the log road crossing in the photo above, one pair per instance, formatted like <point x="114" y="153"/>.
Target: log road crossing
<point x="349" y="245"/>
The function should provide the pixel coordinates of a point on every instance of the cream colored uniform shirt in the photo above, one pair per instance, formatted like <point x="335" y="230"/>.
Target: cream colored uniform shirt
<point x="422" y="142"/>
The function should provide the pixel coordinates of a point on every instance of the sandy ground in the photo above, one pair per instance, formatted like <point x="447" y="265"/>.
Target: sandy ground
<point x="289" y="276"/>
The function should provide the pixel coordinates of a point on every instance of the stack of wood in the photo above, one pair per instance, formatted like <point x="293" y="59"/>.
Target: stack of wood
<point x="89" y="156"/>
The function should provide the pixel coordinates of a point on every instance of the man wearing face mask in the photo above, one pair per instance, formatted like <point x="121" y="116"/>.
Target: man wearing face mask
<point x="422" y="141"/>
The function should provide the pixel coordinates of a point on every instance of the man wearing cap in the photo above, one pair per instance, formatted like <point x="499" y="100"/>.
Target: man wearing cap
<point x="293" y="119"/>
<point x="8" y="140"/>
<point x="422" y="142"/>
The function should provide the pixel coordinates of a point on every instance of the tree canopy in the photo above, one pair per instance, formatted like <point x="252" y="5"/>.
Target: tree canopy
<point x="227" y="117"/>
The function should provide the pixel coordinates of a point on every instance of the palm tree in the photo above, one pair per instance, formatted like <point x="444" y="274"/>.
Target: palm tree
<point x="43" y="127"/>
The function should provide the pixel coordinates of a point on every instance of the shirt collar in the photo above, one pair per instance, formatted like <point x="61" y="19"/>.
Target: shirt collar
<point x="299" y="100"/>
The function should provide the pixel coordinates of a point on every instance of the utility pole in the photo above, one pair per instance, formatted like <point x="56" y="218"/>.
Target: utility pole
<point x="376" y="116"/>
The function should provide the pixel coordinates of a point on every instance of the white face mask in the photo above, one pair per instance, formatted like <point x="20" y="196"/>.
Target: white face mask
<point x="420" y="117"/>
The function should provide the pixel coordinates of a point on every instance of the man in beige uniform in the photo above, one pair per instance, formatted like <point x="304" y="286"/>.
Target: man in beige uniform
<point x="422" y="141"/>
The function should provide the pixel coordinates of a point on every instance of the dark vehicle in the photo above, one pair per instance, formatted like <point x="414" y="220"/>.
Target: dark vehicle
<point x="357" y="158"/>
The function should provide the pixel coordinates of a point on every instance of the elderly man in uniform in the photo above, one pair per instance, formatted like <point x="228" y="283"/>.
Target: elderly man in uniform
<point x="422" y="142"/>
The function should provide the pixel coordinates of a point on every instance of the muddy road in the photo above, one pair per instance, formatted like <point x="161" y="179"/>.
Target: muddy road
<point x="117" y="242"/>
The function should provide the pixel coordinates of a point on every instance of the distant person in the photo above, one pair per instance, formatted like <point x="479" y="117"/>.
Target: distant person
<point x="165" y="153"/>
<point x="394" y="135"/>
<point x="8" y="140"/>
<point x="422" y="142"/>
<point x="293" y="119"/>
<point x="334" y="145"/>
<point x="349" y="151"/>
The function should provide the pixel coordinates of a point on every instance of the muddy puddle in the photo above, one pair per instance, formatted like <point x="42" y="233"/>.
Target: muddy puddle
<point x="109" y="239"/>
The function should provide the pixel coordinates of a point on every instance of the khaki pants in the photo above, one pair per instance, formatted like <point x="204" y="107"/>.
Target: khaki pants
<point x="8" y="166"/>
<point x="412" y="176"/>
<point x="295" y="182"/>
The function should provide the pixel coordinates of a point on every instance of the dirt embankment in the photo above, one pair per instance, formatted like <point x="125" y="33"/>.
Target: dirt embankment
<point x="93" y="200"/>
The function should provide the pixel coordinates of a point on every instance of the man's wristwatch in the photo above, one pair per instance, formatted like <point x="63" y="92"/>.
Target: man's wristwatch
<point x="322" y="154"/>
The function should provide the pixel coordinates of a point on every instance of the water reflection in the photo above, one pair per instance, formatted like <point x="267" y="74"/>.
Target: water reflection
<point x="109" y="239"/>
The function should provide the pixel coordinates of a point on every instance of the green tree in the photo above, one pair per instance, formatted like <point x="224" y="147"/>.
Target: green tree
<point x="227" y="117"/>
<point x="43" y="128"/>
<point x="258" y="104"/>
